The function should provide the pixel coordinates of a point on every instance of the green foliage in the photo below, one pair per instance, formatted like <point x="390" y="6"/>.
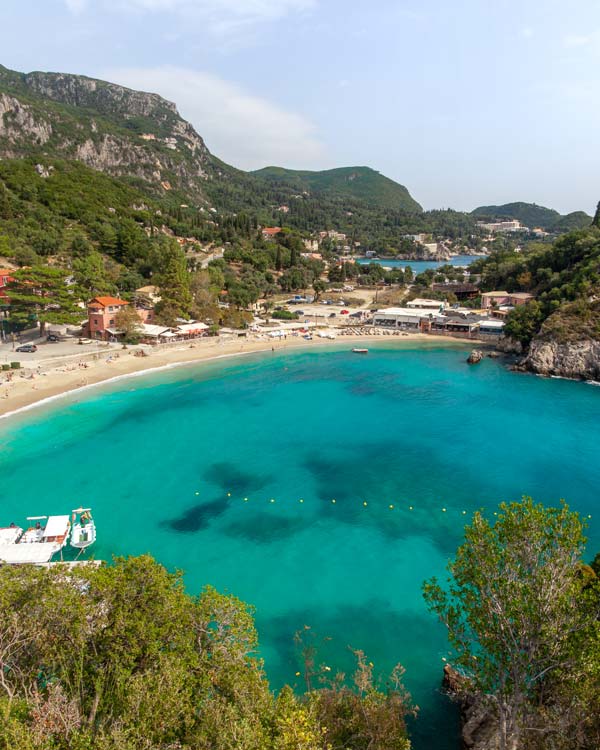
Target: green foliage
<point x="128" y="322"/>
<point x="121" y="658"/>
<point x="347" y="182"/>
<point x="517" y="612"/>
<point x="174" y="282"/>
<point x="565" y="277"/>
<point x="40" y="295"/>
<point x="523" y="322"/>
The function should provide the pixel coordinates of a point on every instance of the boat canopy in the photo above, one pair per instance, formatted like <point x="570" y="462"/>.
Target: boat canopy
<point x="57" y="526"/>
<point x="39" y="552"/>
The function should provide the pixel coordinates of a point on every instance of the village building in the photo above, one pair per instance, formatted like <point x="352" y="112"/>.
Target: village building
<point x="495" y="227"/>
<point x="460" y="291"/>
<point x="102" y="312"/>
<point x="501" y="299"/>
<point x="269" y="233"/>
<point x="433" y="305"/>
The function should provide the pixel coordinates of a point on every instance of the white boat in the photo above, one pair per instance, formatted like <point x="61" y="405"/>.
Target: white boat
<point x="356" y="350"/>
<point x="36" y="545"/>
<point x="83" y="533"/>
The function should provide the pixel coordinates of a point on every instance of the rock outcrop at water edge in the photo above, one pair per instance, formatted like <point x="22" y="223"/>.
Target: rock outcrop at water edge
<point x="479" y="730"/>
<point x="571" y="359"/>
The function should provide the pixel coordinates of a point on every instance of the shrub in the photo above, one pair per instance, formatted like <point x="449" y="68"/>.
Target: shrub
<point x="15" y="365"/>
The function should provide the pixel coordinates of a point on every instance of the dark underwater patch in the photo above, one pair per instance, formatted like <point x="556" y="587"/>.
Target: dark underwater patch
<point x="198" y="516"/>
<point x="230" y="478"/>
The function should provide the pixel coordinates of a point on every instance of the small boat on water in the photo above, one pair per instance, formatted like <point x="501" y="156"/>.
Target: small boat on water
<point x="357" y="350"/>
<point x="37" y="544"/>
<point x="83" y="533"/>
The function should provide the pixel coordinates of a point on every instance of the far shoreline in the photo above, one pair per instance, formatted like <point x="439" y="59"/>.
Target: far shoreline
<point x="58" y="384"/>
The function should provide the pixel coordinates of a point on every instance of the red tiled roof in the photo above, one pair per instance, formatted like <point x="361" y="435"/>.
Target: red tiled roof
<point x="107" y="301"/>
<point x="271" y="230"/>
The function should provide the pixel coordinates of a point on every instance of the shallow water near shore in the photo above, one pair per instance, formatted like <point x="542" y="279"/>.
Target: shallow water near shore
<point x="228" y="470"/>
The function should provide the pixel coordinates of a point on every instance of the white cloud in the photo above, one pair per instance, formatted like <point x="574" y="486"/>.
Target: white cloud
<point x="220" y="17"/>
<point x="76" y="6"/>
<point x="582" y="40"/>
<point x="245" y="130"/>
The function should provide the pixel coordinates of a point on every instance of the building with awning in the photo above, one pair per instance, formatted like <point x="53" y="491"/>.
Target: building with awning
<point x="192" y="329"/>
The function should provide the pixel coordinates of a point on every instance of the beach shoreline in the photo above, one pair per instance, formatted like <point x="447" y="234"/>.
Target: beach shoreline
<point x="33" y="391"/>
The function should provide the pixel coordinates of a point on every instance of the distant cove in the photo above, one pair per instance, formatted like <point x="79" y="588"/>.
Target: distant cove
<point x="418" y="266"/>
<point x="228" y="470"/>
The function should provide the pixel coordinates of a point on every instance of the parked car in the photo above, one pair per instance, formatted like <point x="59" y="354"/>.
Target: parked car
<point x="332" y="315"/>
<point x="28" y="348"/>
<point x="345" y="312"/>
<point x="53" y="338"/>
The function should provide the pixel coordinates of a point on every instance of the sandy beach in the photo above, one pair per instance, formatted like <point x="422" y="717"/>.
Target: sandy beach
<point x="27" y="388"/>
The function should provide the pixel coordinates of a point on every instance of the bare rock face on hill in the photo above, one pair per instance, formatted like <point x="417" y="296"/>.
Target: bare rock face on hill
<point x="577" y="359"/>
<point x="108" y="127"/>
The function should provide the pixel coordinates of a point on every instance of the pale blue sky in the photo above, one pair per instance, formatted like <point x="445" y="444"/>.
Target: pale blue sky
<point x="466" y="102"/>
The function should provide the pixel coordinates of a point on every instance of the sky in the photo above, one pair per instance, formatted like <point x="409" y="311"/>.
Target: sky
<point x="466" y="102"/>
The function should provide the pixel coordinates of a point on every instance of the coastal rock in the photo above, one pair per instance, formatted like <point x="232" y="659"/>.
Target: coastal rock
<point x="509" y="346"/>
<point x="575" y="359"/>
<point x="475" y="357"/>
<point x="478" y="728"/>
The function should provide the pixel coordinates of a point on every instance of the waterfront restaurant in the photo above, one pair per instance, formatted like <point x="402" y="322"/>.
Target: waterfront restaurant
<point x="400" y="317"/>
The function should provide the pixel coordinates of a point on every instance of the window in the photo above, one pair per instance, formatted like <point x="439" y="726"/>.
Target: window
<point x="111" y="322"/>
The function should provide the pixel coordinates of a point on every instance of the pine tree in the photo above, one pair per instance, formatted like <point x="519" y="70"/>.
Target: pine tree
<point x="596" y="221"/>
<point x="40" y="295"/>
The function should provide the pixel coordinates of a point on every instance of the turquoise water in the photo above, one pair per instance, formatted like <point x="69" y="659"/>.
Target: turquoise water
<point x="166" y="462"/>
<point x="418" y="266"/>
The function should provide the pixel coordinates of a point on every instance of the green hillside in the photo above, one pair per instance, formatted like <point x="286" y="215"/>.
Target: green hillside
<point x="530" y="214"/>
<point x="574" y="220"/>
<point x="361" y="183"/>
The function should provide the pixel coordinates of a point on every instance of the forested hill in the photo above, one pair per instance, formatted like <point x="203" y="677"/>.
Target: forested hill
<point x="140" y="138"/>
<point x="362" y="183"/>
<point x="532" y="215"/>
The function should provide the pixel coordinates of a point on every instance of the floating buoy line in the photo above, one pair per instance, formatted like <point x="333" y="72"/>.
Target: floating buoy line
<point x="365" y="504"/>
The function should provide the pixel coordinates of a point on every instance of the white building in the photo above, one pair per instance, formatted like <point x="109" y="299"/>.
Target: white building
<point x="400" y="317"/>
<point x="513" y="225"/>
<point x="426" y="304"/>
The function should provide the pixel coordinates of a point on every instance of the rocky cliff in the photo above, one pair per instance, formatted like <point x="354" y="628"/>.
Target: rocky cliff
<point x="108" y="127"/>
<point x="575" y="359"/>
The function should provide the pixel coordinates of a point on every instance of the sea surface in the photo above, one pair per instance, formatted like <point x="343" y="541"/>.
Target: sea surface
<point x="228" y="470"/>
<point x="418" y="266"/>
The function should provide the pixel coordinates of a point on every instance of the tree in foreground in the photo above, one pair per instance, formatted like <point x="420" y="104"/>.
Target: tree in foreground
<point x="122" y="658"/>
<point x="522" y="618"/>
<point x="128" y="322"/>
<point x="40" y="295"/>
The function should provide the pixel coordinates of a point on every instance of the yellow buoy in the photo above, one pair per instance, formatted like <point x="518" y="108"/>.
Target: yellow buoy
<point x="410" y="507"/>
<point x="272" y="499"/>
<point x="464" y="512"/>
<point x="297" y="674"/>
<point x="245" y="499"/>
<point x="365" y="503"/>
<point x="301" y="500"/>
<point x="391" y="507"/>
<point x="229" y="494"/>
<point x="333" y="501"/>
<point x="197" y="493"/>
<point x="443" y="510"/>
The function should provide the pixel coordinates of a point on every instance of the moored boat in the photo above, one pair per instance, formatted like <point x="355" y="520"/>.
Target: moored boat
<point x="83" y="533"/>
<point x="358" y="350"/>
<point x="37" y="544"/>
